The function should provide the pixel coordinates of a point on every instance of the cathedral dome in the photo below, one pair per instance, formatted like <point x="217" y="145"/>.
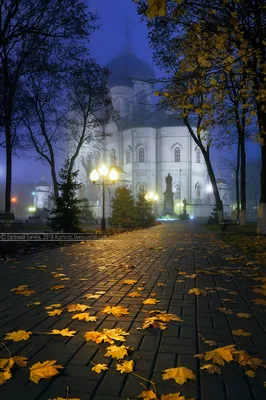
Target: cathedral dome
<point x="127" y="67"/>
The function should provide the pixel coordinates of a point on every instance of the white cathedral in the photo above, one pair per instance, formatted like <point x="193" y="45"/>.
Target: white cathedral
<point x="146" y="144"/>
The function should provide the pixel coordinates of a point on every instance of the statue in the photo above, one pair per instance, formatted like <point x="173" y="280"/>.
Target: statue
<point x="168" y="207"/>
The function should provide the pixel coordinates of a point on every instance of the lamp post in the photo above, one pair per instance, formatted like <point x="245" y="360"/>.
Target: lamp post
<point x="104" y="173"/>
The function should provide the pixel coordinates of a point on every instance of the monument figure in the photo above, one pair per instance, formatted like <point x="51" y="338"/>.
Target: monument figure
<point x="168" y="205"/>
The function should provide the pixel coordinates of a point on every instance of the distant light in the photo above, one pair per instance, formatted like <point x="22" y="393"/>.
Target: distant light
<point x="209" y="189"/>
<point x="191" y="217"/>
<point x="33" y="193"/>
<point x="32" y="209"/>
<point x="14" y="199"/>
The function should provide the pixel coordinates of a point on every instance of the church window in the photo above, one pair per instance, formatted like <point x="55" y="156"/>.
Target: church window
<point x="198" y="191"/>
<point x="198" y="155"/>
<point x="141" y="188"/>
<point x="128" y="156"/>
<point x="177" y="192"/>
<point x="141" y="155"/>
<point x="177" y="153"/>
<point x="113" y="157"/>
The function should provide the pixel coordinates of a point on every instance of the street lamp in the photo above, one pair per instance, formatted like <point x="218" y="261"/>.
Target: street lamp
<point x="150" y="196"/>
<point x="104" y="173"/>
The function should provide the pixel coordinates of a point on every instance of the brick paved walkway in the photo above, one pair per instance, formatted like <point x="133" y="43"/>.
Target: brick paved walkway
<point x="160" y="255"/>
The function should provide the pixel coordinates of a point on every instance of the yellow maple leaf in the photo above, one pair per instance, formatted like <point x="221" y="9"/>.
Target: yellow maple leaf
<point x="92" y="296"/>
<point x="211" y="368"/>
<point x="63" y="332"/>
<point x="6" y="363"/>
<point x="126" y="366"/>
<point x="44" y="370"/>
<point x="57" y="305"/>
<point x="129" y="281"/>
<point x="151" y="301"/>
<point x="85" y="316"/>
<point x="108" y="335"/>
<point x="57" y="287"/>
<point x="225" y="310"/>
<point x="250" y="373"/>
<point x="117" y="311"/>
<point x="147" y="395"/>
<point x="20" y="361"/>
<point x="221" y="354"/>
<point x="179" y="374"/>
<point x="99" y="368"/>
<point x="161" y="284"/>
<point x="77" y="307"/>
<point x="173" y="396"/>
<point x="65" y="398"/>
<point x="240" y="332"/>
<point x="54" y="312"/>
<point x="17" y="336"/>
<point x="4" y="376"/>
<point x="243" y="315"/>
<point x="36" y="303"/>
<point x="259" y="302"/>
<point x="197" y="292"/>
<point x="134" y="294"/>
<point x="118" y="352"/>
<point x="100" y="292"/>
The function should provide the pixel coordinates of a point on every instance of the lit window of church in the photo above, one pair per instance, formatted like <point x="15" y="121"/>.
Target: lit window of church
<point x="198" y="191"/>
<point x="198" y="156"/>
<point x="141" y="157"/>
<point x="128" y="156"/>
<point x="177" y="192"/>
<point x="177" y="153"/>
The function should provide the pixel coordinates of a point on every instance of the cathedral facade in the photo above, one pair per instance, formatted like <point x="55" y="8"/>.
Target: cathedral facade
<point x="146" y="144"/>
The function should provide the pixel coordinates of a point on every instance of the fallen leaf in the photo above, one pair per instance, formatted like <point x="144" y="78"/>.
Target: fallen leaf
<point x="62" y="332"/>
<point x="250" y="373"/>
<point x="126" y="366"/>
<point x="54" y="312"/>
<point x="151" y="301"/>
<point x="92" y="296"/>
<point x="36" y="303"/>
<point x="197" y="292"/>
<point x="4" y="376"/>
<point x="18" y="336"/>
<point x="225" y="310"/>
<point x="84" y="317"/>
<point x="57" y="305"/>
<point x="134" y="294"/>
<point x="220" y="355"/>
<point x="100" y="292"/>
<point x="161" y="284"/>
<point x="44" y="370"/>
<point x="240" y="332"/>
<point x="259" y="302"/>
<point x="99" y="368"/>
<point x="57" y="287"/>
<point x="118" y="352"/>
<point x="117" y="311"/>
<point x="211" y="368"/>
<point x="129" y="282"/>
<point x="107" y="335"/>
<point x="147" y="395"/>
<point x="77" y="307"/>
<point x="20" y="361"/>
<point x="173" y="396"/>
<point x="243" y="315"/>
<point x="179" y="374"/>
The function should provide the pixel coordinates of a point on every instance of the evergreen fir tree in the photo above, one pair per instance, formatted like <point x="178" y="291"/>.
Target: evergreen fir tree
<point x="145" y="216"/>
<point x="214" y="217"/>
<point x="86" y="215"/>
<point x="123" y="208"/>
<point x="67" y="211"/>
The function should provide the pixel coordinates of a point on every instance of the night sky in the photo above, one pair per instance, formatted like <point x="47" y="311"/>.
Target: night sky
<point x="106" y="43"/>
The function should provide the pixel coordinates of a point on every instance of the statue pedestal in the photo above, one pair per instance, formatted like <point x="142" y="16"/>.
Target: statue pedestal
<point x="168" y="205"/>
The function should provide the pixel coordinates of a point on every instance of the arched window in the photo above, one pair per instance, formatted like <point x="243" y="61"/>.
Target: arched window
<point x="113" y="157"/>
<point x="198" y="156"/>
<point x="141" y="188"/>
<point x="177" y="192"/>
<point x="198" y="191"/>
<point x="128" y="156"/>
<point x="141" y="155"/>
<point x="177" y="153"/>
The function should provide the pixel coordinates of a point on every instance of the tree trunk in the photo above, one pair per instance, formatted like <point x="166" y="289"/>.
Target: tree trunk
<point x="8" y="168"/>
<point x="237" y="179"/>
<point x="242" y="179"/>
<point x="55" y="183"/>
<point x="261" y="227"/>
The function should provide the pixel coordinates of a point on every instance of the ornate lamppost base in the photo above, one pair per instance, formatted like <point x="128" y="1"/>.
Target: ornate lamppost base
<point x="103" y="224"/>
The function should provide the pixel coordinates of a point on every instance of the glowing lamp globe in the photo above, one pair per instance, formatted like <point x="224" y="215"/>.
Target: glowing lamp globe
<point x="94" y="176"/>
<point x="113" y="175"/>
<point x="103" y="170"/>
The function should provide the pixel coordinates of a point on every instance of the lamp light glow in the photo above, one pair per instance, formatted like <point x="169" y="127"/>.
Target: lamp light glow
<point x="32" y="209"/>
<point x="103" y="170"/>
<point x="94" y="176"/>
<point x="113" y="175"/>
<point x="209" y="188"/>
